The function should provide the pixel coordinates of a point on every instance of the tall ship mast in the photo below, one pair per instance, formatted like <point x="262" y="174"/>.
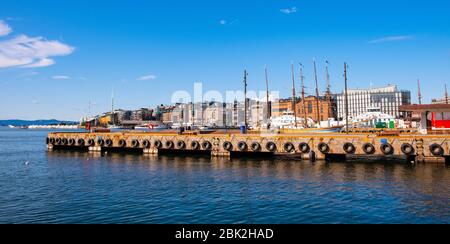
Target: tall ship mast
<point x="269" y="110"/>
<point x="317" y="93"/>
<point x="293" y="95"/>
<point x="419" y="92"/>
<point x="446" y="94"/>
<point x="113" y="121"/>
<point x="328" y="90"/>
<point x="302" y="79"/>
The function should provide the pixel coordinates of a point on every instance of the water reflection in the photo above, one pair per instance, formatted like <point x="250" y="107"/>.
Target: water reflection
<point x="192" y="189"/>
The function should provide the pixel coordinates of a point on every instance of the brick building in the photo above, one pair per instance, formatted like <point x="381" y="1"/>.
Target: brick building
<point x="327" y="108"/>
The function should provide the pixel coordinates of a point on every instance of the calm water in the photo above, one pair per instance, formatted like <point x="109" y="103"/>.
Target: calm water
<point x="75" y="187"/>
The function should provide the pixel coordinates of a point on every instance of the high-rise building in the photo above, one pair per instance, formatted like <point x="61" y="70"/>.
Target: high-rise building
<point x="387" y="99"/>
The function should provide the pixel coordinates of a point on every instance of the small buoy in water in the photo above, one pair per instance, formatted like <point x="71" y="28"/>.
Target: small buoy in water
<point x="27" y="162"/>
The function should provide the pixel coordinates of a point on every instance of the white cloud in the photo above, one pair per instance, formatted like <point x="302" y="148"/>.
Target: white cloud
<point x="147" y="77"/>
<point x="391" y="39"/>
<point x="40" y="63"/>
<point x="223" y="22"/>
<point x="60" y="77"/>
<point x="5" y="29"/>
<point x="30" y="52"/>
<point x="289" y="10"/>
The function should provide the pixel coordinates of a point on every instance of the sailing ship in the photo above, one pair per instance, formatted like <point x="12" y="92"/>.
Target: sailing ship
<point x="288" y="120"/>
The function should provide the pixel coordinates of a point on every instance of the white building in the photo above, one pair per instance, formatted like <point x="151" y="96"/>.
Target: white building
<point x="214" y="115"/>
<point x="219" y="114"/>
<point x="387" y="99"/>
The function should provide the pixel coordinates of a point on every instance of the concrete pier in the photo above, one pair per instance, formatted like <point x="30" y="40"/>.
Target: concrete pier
<point x="307" y="146"/>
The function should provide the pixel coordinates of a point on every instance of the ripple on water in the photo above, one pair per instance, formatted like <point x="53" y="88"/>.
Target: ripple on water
<point x="74" y="187"/>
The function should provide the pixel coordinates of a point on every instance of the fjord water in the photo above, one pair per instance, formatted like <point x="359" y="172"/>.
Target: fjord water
<point x="37" y="186"/>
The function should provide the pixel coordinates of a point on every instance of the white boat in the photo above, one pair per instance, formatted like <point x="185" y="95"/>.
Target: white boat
<point x="371" y="118"/>
<point x="116" y="128"/>
<point x="151" y="127"/>
<point x="53" y="127"/>
<point x="288" y="121"/>
<point x="161" y="127"/>
<point x="176" y="126"/>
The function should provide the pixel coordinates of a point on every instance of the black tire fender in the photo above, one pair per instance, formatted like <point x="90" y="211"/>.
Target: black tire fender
<point x="271" y="146"/>
<point x="228" y="146"/>
<point x="368" y="148"/>
<point x="349" y="148"/>
<point x="304" y="147"/>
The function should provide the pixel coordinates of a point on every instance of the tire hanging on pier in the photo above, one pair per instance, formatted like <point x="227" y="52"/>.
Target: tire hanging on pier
<point x="228" y="146"/>
<point x="271" y="146"/>
<point x="71" y="142"/>
<point x="169" y="144"/>
<point x="100" y="142"/>
<point x="323" y="147"/>
<point x="80" y="142"/>
<point x="304" y="147"/>
<point x="349" y="148"/>
<point x="256" y="147"/>
<point x="58" y="141"/>
<point x="195" y="145"/>
<point x="206" y="145"/>
<point x="108" y="142"/>
<point x="242" y="146"/>
<point x="368" y="148"/>
<point x="90" y="142"/>
<point x="52" y="140"/>
<point x="437" y="150"/>
<point x="122" y="143"/>
<point x="158" y="144"/>
<point x="135" y="143"/>
<point x="407" y="149"/>
<point x="64" y="141"/>
<point x="289" y="147"/>
<point x="146" y="143"/>
<point x="387" y="149"/>
<point x="181" y="145"/>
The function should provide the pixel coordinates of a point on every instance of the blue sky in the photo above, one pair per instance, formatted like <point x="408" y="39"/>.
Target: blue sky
<point x="78" y="51"/>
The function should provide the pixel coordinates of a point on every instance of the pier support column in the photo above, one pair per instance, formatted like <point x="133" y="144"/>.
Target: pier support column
<point x="419" y="159"/>
<point x="306" y="157"/>
<point x="218" y="151"/>
<point x="434" y="160"/>
<point x="151" y="151"/>
<point x="315" y="156"/>
<point x="95" y="149"/>
<point x="221" y="154"/>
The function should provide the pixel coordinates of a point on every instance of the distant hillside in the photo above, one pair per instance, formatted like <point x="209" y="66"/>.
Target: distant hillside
<point x="18" y="122"/>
